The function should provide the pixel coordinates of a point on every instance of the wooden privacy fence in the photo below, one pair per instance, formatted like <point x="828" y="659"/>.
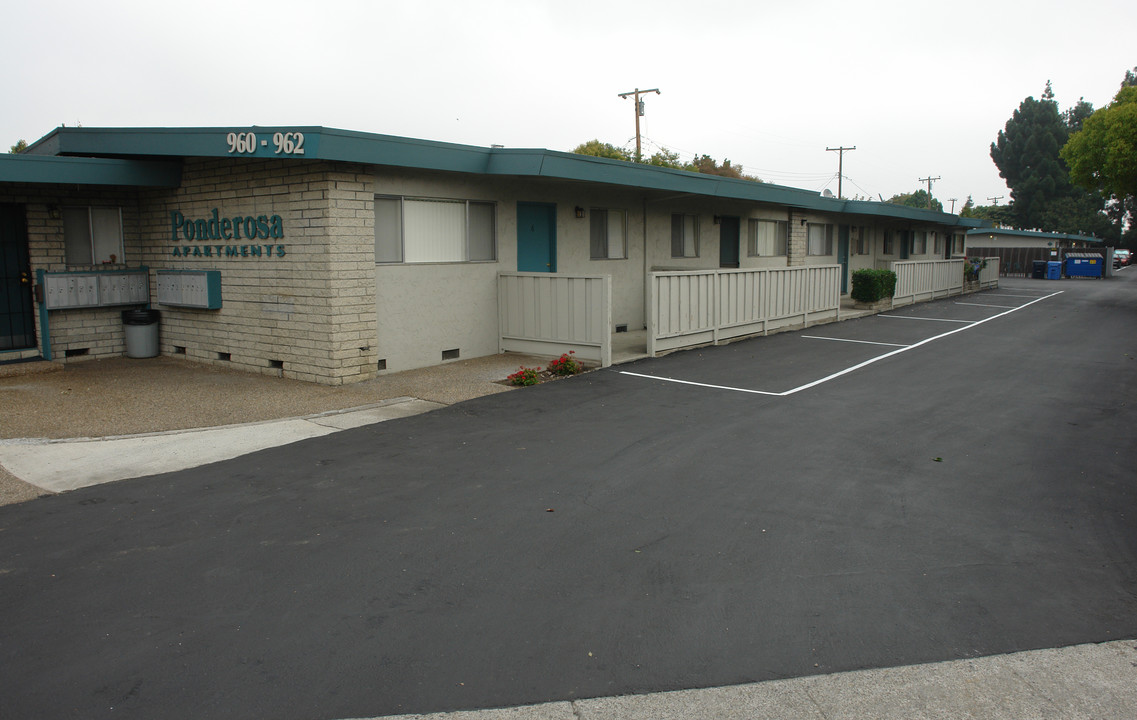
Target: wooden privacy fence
<point x="697" y="307"/>
<point x="918" y="280"/>
<point x="550" y="314"/>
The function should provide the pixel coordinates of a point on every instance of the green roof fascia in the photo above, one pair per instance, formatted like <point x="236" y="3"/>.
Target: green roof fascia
<point x="332" y="144"/>
<point x="39" y="169"/>
<point x="1035" y="234"/>
<point x="586" y="168"/>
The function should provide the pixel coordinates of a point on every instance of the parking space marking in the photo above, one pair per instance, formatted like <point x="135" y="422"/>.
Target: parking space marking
<point x="1005" y="307"/>
<point x="866" y="342"/>
<point x="1027" y="297"/>
<point x="699" y="384"/>
<point x="859" y="365"/>
<point x="910" y="317"/>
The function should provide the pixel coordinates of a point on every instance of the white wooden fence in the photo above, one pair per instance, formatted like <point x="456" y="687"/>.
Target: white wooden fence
<point x="697" y="307"/>
<point x="550" y="314"/>
<point x="989" y="276"/>
<point x="918" y="280"/>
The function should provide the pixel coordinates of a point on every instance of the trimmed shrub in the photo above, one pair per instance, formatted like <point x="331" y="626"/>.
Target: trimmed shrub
<point x="872" y="285"/>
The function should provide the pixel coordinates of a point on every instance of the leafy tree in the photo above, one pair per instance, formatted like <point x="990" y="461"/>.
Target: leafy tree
<point x="918" y="199"/>
<point x="20" y="146"/>
<point x="1103" y="155"/>
<point x="602" y="149"/>
<point x="665" y="158"/>
<point x="1130" y="78"/>
<point x="1000" y="215"/>
<point x="1076" y="115"/>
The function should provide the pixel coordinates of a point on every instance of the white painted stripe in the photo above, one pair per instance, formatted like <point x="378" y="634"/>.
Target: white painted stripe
<point x="1026" y="297"/>
<point x="1005" y="307"/>
<point x="866" y="342"/>
<point x="699" y="384"/>
<point x="908" y="317"/>
<point x="858" y="366"/>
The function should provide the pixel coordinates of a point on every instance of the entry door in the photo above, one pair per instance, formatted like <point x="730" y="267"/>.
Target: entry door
<point x="728" y="242"/>
<point x="536" y="237"/>
<point x="843" y="256"/>
<point x="905" y="243"/>
<point x="17" y="316"/>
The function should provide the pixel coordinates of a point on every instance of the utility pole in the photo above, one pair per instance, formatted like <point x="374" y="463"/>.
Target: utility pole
<point x="840" y="164"/>
<point x="929" y="180"/>
<point x="639" y="110"/>
<point x="996" y="199"/>
<point x="952" y="201"/>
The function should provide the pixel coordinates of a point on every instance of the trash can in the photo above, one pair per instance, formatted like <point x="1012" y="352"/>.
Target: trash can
<point x="1054" y="270"/>
<point x="141" y="329"/>
<point x="1038" y="270"/>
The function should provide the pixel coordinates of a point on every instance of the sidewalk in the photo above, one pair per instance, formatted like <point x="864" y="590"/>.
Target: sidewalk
<point x="106" y="420"/>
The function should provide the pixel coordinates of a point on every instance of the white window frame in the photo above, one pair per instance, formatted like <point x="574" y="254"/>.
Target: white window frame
<point x="92" y="248"/>
<point x="391" y="250"/>
<point x="862" y="244"/>
<point x="688" y="235"/>
<point x="777" y="244"/>
<point x="826" y="241"/>
<point x="604" y="224"/>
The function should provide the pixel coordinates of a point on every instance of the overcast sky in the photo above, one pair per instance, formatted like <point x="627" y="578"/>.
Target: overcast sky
<point x="921" y="89"/>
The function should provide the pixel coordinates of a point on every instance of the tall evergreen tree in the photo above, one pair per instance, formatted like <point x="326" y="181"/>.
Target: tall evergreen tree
<point x="1026" y="153"/>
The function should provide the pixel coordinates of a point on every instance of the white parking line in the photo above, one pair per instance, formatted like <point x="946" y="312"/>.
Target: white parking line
<point x="1005" y="307"/>
<point x="848" y="370"/>
<point x="1027" y="297"/>
<point x="909" y="317"/>
<point x="866" y="342"/>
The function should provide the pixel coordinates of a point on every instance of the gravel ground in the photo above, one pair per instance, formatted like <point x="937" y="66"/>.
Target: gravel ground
<point x="122" y="396"/>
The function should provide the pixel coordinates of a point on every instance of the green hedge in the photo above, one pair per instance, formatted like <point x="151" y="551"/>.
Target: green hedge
<point x="872" y="285"/>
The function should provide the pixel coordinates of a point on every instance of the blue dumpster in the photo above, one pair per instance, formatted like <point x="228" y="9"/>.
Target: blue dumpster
<point x="1053" y="270"/>
<point x="1084" y="265"/>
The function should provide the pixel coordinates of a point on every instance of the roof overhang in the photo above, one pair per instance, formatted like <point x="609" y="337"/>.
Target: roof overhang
<point x="1034" y="235"/>
<point x="38" y="169"/>
<point x="320" y="143"/>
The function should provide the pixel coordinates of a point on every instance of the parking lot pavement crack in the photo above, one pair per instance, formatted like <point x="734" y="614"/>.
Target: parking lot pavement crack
<point x="576" y="711"/>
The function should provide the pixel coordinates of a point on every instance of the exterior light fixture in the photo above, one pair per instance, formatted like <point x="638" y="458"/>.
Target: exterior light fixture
<point x="579" y="211"/>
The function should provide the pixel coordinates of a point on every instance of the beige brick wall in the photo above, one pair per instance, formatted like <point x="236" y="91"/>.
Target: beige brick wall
<point x="305" y="308"/>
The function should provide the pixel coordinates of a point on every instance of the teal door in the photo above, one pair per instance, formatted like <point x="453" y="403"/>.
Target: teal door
<point x="17" y="316"/>
<point x="536" y="237"/>
<point x="728" y="242"/>
<point x="843" y="256"/>
<point x="905" y="243"/>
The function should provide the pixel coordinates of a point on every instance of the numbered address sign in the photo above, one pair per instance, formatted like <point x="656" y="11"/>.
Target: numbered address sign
<point x="283" y="143"/>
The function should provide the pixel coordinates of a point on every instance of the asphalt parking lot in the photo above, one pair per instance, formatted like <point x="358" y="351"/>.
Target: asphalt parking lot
<point x="870" y="494"/>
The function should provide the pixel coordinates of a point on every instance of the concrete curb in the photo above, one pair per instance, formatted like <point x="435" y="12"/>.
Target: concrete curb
<point x="1081" y="681"/>
<point x="59" y="465"/>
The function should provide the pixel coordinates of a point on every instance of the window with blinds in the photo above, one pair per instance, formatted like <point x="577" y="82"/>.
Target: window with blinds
<point x="92" y="235"/>
<point x="684" y="236"/>
<point x="768" y="238"/>
<point x="608" y="234"/>
<point x="427" y="230"/>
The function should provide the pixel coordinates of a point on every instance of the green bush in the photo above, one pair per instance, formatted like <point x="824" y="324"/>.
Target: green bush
<point x="872" y="285"/>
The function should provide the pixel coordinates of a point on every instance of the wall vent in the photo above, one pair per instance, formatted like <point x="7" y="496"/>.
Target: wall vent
<point x="225" y="357"/>
<point x="621" y="328"/>
<point x="179" y="349"/>
<point x="382" y="364"/>
<point x="450" y="354"/>
<point x="76" y="352"/>
<point x="276" y="364"/>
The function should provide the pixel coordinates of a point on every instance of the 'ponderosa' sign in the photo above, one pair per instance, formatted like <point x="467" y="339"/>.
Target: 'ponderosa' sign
<point x="217" y="228"/>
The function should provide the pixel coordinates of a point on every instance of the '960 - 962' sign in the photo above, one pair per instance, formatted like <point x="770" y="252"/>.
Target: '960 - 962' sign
<point x="247" y="143"/>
